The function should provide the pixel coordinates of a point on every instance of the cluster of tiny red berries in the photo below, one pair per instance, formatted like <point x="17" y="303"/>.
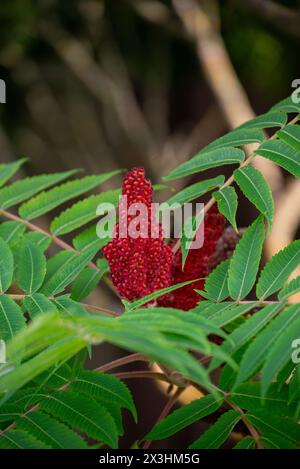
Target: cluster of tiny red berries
<point x="140" y="266"/>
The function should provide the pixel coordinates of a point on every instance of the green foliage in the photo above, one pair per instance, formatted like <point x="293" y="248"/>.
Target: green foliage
<point x="219" y="432"/>
<point x="282" y="154"/>
<point x="82" y="212"/>
<point x="48" y="399"/>
<point x="31" y="268"/>
<point x="207" y="159"/>
<point x="216" y="285"/>
<point x="245" y="261"/>
<point x="227" y="204"/>
<point x="183" y="417"/>
<point x="6" y="266"/>
<point x="195" y="190"/>
<point x="278" y="270"/>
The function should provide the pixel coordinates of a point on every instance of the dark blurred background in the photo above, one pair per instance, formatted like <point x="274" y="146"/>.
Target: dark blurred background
<point x="101" y="84"/>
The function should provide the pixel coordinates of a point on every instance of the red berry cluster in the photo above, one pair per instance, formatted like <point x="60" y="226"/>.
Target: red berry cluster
<point x="142" y="265"/>
<point x="139" y="265"/>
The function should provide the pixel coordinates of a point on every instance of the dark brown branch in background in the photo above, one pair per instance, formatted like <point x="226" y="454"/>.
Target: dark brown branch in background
<point x="283" y="18"/>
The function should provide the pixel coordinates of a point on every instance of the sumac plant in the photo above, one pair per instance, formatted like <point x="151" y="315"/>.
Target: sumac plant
<point x="211" y="318"/>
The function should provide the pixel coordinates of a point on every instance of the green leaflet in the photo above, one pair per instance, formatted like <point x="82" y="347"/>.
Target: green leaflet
<point x="282" y="154"/>
<point x="278" y="270"/>
<point x="11" y="318"/>
<point x="43" y="241"/>
<point x="11" y="232"/>
<point x="26" y="188"/>
<point x="52" y="432"/>
<point x="106" y="388"/>
<point x="255" y="354"/>
<point x="69" y="307"/>
<point x="193" y="228"/>
<point x="290" y="135"/>
<point x="274" y="441"/>
<point x="267" y="422"/>
<point x="246" y="331"/>
<point x="236" y="138"/>
<point x="157" y="294"/>
<point x="47" y="201"/>
<point x="245" y="261"/>
<point x="8" y="170"/>
<point x="82" y="212"/>
<point x="268" y="120"/>
<point x="218" y="433"/>
<point x="195" y="190"/>
<point x="6" y="266"/>
<point x="287" y="104"/>
<point x="290" y="289"/>
<point x="63" y="277"/>
<point x="216" y="287"/>
<point x="18" y="439"/>
<point x="55" y="377"/>
<point x="280" y="353"/>
<point x="81" y="413"/>
<point x="37" y="304"/>
<point x="227" y="204"/>
<point x="89" y="238"/>
<point x="59" y="350"/>
<point x="248" y="397"/>
<point x="58" y="261"/>
<point x="184" y="417"/>
<point x="256" y="189"/>
<point x="163" y="316"/>
<point x="206" y="160"/>
<point x="231" y="314"/>
<point x="31" y="268"/>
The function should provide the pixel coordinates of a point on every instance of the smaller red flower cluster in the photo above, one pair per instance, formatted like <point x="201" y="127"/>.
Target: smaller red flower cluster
<point x="139" y="265"/>
<point x="197" y="265"/>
